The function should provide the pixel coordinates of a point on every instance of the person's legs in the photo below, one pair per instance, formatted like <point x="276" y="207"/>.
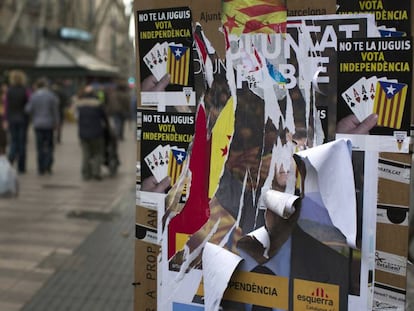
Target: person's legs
<point x="60" y="127"/>
<point x="97" y="157"/>
<point x="13" y="142"/>
<point x="112" y="155"/>
<point x="39" y="148"/>
<point x="121" y="127"/>
<point x="48" y="149"/>
<point x="44" y="146"/>
<point x="86" y="159"/>
<point x="22" y="141"/>
<point x="117" y="120"/>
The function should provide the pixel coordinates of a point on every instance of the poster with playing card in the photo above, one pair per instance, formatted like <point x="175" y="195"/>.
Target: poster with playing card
<point x="164" y="141"/>
<point x="315" y="61"/>
<point x="165" y="54"/>
<point x="374" y="93"/>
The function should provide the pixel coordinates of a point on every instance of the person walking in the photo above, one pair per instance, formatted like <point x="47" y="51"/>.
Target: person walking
<point x="58" y="90"/>
<point x="118" y="107"/>
<point x="9" y="184"/>
<point x="92" y="122"/>
<point x="16" y="119"/>
<point x="43" y="107"/>
<point x="3" y="93"/>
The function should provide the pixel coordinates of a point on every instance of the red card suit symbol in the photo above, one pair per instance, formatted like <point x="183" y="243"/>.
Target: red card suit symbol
<point x="372" y="91"/>
<point x="154" y="59"/>
<point x="155" y="160"/>
<point x="166" y="157"/>
<point x="356" y="95"/>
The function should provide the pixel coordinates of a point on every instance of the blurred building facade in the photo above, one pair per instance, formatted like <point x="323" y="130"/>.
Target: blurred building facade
<point x="86" y="39"/>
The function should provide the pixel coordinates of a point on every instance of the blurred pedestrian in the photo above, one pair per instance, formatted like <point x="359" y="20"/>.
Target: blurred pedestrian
<point x="16" y="119"/>
<point x="92" y="122"/>
<point x="3" y="93"/>
<point x="9" y="186"/>
<point x="100" y="92"/>
<point x="133" y="109"/>
<point x="57" y="88"/>
<point x="118" y="107"/>
<point x="43" y="108"/>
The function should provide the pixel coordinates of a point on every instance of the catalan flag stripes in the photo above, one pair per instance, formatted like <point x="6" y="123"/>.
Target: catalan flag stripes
<point x="178" y="64"/>
<point x="389" y="103"/>
<point x="254" y="16"/>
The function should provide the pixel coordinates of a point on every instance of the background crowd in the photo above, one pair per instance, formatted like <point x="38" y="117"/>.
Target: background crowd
<point x="101" y="111"/>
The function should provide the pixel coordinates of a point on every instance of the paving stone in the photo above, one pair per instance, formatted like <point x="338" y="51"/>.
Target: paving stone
<point x="10" y="306"/>
<point x="102" y="278"/>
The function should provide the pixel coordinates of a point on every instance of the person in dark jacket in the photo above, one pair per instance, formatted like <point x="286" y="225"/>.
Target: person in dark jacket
<point x="92" y="122"/>
<point x="118" y="107"/>
<point x="58" y="89"/>
<point x="16" y="119"/>
<point x="43" y="107"/>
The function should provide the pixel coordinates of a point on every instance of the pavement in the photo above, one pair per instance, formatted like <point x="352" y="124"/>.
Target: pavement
<point x="65" y="243"/>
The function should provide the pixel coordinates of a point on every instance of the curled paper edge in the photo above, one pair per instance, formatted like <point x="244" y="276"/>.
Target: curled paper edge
<point x="281" y="203"/>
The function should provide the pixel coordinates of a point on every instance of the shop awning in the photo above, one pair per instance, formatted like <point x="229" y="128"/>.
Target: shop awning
<point x="64" y="56"/>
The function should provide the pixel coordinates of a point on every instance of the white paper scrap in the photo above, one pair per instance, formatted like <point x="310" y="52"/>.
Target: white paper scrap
<point x="329" y="171"/>
<point x="218" y="267"/>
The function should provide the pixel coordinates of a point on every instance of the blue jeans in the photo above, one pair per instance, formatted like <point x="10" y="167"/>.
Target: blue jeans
<point x="44" y="146"/>
<point x="18" y="141"/>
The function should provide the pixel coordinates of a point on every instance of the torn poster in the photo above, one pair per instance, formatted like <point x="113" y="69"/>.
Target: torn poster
<point x="255" y="113"/>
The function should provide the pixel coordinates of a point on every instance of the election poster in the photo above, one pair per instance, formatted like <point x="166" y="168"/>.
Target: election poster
<point x="252" y="118"/>
<point x="375" y="86"/>
<point x="165" y="138"/>
<point x="166" y="57"/>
